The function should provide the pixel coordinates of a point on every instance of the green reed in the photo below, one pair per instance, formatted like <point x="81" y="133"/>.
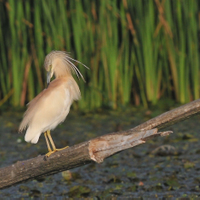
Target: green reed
<point x="137" y="51"/>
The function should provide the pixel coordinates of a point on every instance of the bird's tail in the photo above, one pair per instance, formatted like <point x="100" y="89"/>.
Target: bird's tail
<point x="32" y="136"/>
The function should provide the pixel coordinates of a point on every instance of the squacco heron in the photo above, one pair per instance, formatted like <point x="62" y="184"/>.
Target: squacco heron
<point x="52" y="105"/>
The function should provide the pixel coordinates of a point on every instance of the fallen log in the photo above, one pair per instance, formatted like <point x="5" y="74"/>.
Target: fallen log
<point x="96" y="149"/>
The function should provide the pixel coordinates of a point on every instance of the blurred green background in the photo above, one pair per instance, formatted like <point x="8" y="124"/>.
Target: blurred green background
<point x="138" y="51"/>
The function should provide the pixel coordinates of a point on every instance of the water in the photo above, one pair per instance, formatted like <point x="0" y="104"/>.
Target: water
<point x="150" y="170"/>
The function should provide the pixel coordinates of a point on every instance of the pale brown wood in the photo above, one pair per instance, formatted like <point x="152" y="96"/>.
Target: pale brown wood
<point x="96" y="149"/>
<point x="171" y="117"/>
<point x="93" y="150"/>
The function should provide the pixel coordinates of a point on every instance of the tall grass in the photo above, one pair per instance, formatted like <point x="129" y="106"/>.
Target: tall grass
<point x="137" y="51"/>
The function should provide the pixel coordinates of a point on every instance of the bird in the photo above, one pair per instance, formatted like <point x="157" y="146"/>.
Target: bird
<point x="50" y="107"/>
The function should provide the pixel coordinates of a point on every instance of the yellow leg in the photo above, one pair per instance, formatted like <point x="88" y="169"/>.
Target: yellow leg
<point x="48" y="137"/>
<point x="48" y="145"/>
<point x="51" y="140"/>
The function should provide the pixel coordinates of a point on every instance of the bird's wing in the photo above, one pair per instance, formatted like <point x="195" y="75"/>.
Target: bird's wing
<point x="47" y="107"/>
<point x="32" y="105"/>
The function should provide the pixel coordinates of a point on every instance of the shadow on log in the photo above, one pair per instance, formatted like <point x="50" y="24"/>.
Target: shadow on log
<point x="96" y="149"/>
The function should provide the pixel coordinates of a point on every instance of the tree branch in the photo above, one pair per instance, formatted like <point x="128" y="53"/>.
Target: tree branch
<point x="96" y="149"/>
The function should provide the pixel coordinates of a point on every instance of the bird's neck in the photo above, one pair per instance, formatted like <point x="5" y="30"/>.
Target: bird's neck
<point x="62" y="71"/>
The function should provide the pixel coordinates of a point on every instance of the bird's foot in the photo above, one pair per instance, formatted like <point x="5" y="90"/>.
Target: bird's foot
<point x="55" y="150"/>
<point x="62" y="148"/>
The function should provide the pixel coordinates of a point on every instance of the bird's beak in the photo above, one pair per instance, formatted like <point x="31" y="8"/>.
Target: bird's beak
<point x="49" y="75"/>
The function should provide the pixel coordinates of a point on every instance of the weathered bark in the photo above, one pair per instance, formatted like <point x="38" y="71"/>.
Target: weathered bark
<point x="96" y="149"/>
<point x="72" y="157"/>
<point x="171" y="117"/>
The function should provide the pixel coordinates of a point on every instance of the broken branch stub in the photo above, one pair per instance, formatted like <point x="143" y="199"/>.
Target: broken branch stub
<point x="107" y="145"/>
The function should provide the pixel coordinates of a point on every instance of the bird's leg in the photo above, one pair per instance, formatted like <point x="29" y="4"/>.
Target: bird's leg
<point x="51" y="140"/>
<point x="48" y="145"/>
<point x="52" y="144"/>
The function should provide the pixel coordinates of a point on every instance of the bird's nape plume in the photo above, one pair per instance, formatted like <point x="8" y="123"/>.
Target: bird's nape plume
<point x="64" y="56"/>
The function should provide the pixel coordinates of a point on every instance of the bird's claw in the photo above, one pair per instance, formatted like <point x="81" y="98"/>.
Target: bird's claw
<point x="55" y="150"/>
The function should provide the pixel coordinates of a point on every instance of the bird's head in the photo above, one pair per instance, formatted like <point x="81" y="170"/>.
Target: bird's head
<point x="60" y="64"/>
